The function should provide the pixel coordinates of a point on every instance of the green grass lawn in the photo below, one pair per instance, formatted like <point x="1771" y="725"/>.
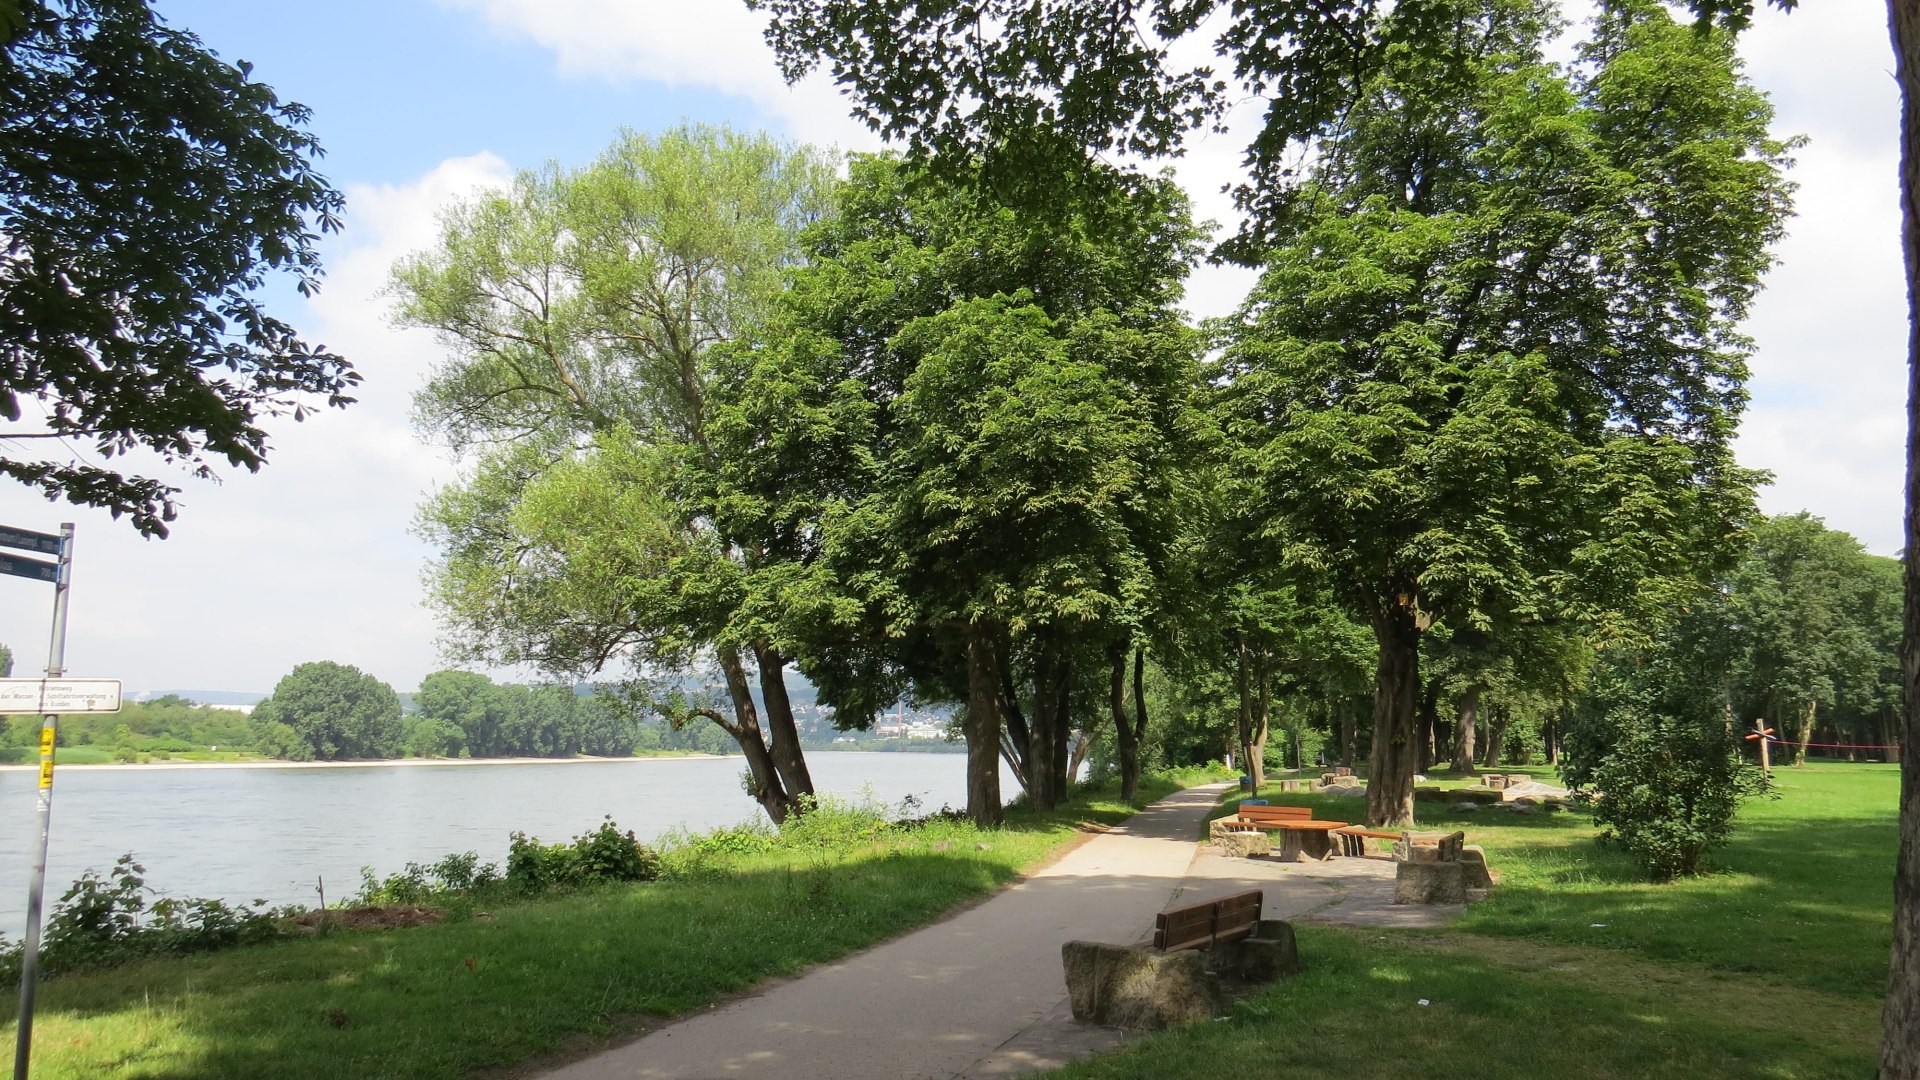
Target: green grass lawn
<point x="1771" y="967"/>
<point x="532" y="978"/>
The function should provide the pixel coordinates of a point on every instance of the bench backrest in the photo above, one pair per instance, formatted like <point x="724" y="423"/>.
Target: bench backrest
<point x="1202" y="926"/>
<point x="1431" y="846"/>
<point x="1276" y="813"/>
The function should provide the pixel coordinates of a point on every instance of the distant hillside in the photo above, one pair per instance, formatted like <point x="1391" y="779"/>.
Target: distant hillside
<point x="202" y="697"/>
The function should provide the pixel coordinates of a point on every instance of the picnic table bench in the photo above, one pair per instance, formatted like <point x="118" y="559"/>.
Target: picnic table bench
<point x="1353" y="839"/>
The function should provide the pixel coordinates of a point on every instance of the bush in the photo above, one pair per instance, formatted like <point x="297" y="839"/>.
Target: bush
<point x="101" y="921"/>
<point x="1656" y="743"/>
<point x="605" y="854"/>
<point x="829" y="822"/>
<point x="417" y="885"/>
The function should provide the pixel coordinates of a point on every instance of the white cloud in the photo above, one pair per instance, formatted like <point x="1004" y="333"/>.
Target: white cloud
<point x="308" y="560"/>
<point x="1829" y="374"/>
<point x="712" y="44"/>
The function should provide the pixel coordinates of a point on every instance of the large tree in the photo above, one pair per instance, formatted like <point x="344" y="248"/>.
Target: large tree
<point x="1802" y="601"/>
<point x="148" y="189"/>
<point x="1492" y="374"/>
<point x="582" y="311"/>
<point x="954" y="83"/>
<point x="323" y="711"/>
<point x="972" y="417"/>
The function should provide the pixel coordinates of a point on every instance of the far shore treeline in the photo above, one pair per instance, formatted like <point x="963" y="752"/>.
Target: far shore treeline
<point x="326" y="711"/>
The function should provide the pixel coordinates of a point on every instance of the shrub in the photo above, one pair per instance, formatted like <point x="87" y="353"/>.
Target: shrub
<point x="104" y="920"/>
<point x="605" y="854"/>
<point x="1656" y="743"/>
<point x="829" y="822"/>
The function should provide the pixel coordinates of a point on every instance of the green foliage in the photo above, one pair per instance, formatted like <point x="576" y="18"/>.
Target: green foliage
<point x="148" y="190"/>
<point x="6" y="662"/>
<point x="103" y="921"/>
<point x="329" y="712"/>
<point x="833" y="823"/>
<point x="452" y="879"/>
<point x="606" y="854"/>
<point x="1657" y="746"/>
<point x="167" y="724"/>
<point x="1816" y="628"/>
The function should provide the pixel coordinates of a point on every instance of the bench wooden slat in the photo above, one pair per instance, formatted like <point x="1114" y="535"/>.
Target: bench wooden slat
<point x="1204" y="925"/>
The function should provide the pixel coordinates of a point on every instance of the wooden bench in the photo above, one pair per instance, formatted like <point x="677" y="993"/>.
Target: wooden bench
<point x="1202" y="926"/>
<point x="1353" y="839"/>
<point x="1271" y="817"/>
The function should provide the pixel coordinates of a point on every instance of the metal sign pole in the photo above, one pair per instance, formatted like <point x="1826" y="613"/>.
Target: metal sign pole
<point x="49" y="730"/>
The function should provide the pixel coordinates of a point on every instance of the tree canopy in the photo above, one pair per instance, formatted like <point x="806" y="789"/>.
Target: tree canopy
<point x="1492" y="373"/>
<point x="582" y="312"/>
<point x="148" y="190"/>
<point x="323" y="711"/>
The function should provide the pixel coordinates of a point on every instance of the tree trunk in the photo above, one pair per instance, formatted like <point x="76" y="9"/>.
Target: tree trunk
<point x="1900" y="1047"/>
<point x="1117" y="704"/>
<point x="1801" y="733"/>
<point x="1552" y="738"/>
<point x="783" y="734"/>
<point x="1040" y="739"/>
<point x="1467" y="713"/>
<point x="1130" y="746"/>
<point x="1397" y="627"/>
<point x="1889" y="737"/>
<point x="1262" y="721"/>
<point x="1015" y="737"/>
<point x="1429" y="715"/>
<point x="1243" y="720"/>
<point x="763" y="775"/>
<point x="1496" y="738"/>
<point x="1062" y="729"/>
<point x="983" y="727"/>
<point x="1349" y="738"/>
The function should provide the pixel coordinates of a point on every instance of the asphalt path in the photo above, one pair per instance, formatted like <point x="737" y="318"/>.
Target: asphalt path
<point x="980" y="994"/>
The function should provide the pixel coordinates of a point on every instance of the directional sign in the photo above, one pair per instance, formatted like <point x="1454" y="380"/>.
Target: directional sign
<point x="44" y="543"/>
<point x="29" y="568"/>
<point x="59" y="696"/>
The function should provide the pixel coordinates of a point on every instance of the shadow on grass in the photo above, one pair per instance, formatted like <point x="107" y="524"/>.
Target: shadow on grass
<point x="557" y="974"/>
<point x="1371" y="1005"/>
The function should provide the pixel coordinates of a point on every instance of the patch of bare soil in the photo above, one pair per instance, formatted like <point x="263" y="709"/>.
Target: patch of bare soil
<point x="369" y="918"/>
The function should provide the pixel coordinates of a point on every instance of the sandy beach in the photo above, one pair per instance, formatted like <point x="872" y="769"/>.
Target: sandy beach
<point x="389" y="763"/>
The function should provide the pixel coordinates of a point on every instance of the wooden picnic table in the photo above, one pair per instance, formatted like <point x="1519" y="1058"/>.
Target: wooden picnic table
<point x="1309" y="838"/>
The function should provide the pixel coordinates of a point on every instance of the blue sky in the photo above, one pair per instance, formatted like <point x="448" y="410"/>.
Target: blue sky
<point x="418" y="103"/>
<point x="398" y="87"/>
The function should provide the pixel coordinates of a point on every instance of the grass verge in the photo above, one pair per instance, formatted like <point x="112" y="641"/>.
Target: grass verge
<point x="501" y="987"/>
<point x="1773" y="966"/>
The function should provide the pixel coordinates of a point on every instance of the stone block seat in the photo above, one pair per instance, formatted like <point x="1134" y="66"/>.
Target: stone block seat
<point x="1176" y="978"/>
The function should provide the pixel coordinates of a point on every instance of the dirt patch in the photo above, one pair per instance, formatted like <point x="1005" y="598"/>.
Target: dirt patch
<point x="369" y="918"/>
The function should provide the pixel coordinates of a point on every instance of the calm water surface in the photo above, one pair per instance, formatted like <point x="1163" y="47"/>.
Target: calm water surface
<point x="245" y="834"/>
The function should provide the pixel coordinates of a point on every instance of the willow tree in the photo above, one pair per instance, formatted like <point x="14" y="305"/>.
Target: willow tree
<point x="1492" y="373"/>
<point x="581" y="312"/>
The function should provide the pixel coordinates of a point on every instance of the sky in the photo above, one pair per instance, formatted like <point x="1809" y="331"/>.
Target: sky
<point x="419" y="103"/>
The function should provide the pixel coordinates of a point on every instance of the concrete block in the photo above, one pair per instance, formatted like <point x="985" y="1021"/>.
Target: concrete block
<point x="1137" y="989"/>
<point x="1429" y="883"/>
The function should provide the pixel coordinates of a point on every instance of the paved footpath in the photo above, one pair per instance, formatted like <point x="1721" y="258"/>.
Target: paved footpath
<point x="978" y="995"/>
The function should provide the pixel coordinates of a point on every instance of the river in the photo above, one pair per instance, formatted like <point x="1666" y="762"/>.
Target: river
<point x="271" y="833"/>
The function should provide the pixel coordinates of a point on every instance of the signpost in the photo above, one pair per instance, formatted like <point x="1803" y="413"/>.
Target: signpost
<point x="59" y="696"/>
<point x="49" y="697"/>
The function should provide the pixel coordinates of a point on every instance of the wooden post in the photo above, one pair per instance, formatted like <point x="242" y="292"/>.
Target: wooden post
<point x="1761" y="734"/>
